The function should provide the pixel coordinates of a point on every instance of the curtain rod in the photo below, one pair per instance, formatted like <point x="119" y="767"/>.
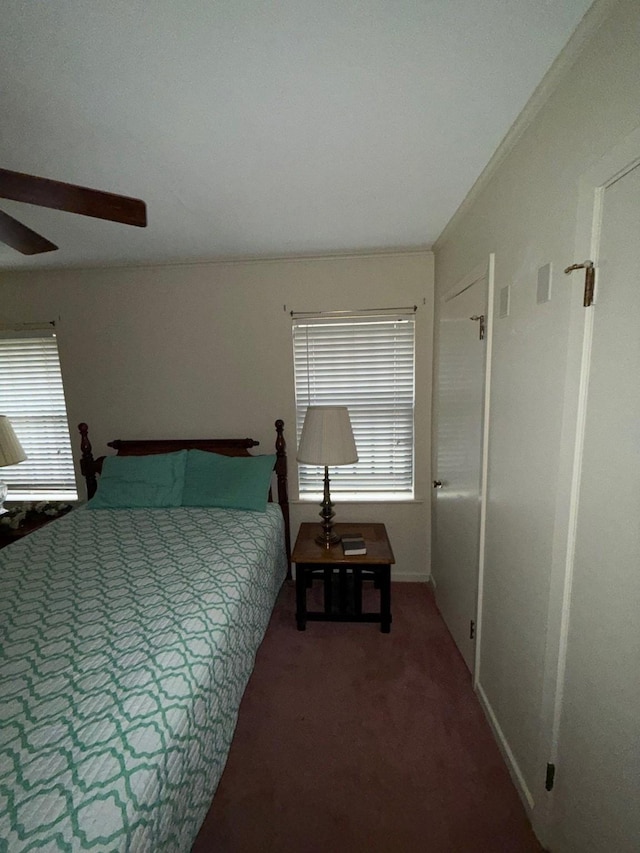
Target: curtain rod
<point x="406" y="308"/>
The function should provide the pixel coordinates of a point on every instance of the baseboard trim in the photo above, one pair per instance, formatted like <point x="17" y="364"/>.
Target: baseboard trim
<point x="403" y="577"/>
<point x="505" y="749"/>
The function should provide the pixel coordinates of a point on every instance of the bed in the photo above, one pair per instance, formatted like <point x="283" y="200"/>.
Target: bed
<point x="127" y="637"/>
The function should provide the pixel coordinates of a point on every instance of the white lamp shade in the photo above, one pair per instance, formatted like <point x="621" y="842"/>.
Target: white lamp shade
<point x="11" y="451"/>
<point x="327" y="438"/>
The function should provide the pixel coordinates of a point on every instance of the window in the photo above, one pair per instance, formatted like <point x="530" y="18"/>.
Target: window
<point x="366" y="364"/>
<point x="32" y="397"/>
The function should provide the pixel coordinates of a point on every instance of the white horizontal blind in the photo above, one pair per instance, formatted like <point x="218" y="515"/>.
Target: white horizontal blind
<point x="32" y="397"/>
<point x="366" y="364"/>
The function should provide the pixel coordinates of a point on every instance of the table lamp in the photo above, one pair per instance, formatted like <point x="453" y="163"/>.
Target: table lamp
<point x="11" y="453"/>
<point x="327" y="439"/>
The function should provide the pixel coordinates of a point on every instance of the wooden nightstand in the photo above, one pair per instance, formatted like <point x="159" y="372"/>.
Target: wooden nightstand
<point x="12" y="534"/>
<point x="343" y="576"/>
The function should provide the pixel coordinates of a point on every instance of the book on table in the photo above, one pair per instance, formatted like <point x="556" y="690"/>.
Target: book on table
<point x="353" y="544"/>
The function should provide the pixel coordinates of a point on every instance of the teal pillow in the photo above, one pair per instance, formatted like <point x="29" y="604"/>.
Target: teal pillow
<point x="236" y="482"/>
<point x="141" y="481"/>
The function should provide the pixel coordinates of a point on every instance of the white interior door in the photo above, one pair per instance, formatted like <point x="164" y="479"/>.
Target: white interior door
<point x="598" y="765"/>
<point x="459" y="406"/>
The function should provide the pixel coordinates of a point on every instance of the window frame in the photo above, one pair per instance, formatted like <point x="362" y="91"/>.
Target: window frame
<point x="399" y="462"/>
<point x="38" y="414"/>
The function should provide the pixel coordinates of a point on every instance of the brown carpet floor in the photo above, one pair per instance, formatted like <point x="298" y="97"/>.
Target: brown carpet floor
<point x="350" y="740"/>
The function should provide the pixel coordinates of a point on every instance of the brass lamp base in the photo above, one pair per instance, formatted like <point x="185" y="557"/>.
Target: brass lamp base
<point x="327" y="538"/>
<point x="327" y="542"/>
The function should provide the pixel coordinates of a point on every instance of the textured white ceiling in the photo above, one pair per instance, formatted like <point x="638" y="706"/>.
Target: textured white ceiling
<point x="256" y="128"/>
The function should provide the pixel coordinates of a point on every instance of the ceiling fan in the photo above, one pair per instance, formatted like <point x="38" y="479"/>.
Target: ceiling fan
<point x="44" y="192"/>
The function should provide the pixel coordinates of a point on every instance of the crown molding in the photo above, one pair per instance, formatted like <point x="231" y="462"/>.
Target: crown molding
<point x="399" y="251"/>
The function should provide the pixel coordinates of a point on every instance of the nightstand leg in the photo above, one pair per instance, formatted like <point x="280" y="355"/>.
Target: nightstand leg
<point x="357" y="591"/>
<point x="301" y="597"/>
<point x="343" y="604"/>
<point x="385" y="599"/>
<point x="328" y="583"/>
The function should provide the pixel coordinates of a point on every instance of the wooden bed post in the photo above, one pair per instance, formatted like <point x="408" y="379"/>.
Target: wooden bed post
<point x="87" y="463"/>
<point x="283" y="495"/>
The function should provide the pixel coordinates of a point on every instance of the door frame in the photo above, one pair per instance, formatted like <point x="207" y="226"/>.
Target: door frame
<point x="591" y="188"/>
<point x="483" y="270"/>
<point x="484" y="462"/>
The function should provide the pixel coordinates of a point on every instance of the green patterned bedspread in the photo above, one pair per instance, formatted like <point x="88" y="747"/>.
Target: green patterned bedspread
<point x="127" y="638"/>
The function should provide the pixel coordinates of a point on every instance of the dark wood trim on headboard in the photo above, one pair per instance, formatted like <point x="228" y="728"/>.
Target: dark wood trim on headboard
<point x="91" y="467"/>
<point x="88" y="465"/>
<point x="144" y="447"/>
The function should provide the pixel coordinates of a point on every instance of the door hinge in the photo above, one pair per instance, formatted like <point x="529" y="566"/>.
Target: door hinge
<point x="480" y="318"/>
<point x="551" y="772"/>
<point x="589" y="280"/>
<point x="472" y="629"/>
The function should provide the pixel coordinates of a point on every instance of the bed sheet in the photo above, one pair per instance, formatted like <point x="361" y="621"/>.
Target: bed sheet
<point x="127" y="638"/>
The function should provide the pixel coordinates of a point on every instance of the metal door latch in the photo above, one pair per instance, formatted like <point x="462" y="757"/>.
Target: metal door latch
<point x="589" y="280"/>
<point x="480" y="319"/>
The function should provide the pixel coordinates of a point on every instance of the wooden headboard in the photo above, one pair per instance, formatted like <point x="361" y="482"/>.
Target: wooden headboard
<point x="91" y="467"/>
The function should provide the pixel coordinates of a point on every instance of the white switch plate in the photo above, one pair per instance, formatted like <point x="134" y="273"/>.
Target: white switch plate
<point x="544" y="284"/>
<point x="505" y="300"/>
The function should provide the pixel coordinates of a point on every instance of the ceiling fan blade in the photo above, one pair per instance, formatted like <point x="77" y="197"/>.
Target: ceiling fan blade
<point x="19" y="237"/>
<point x="74" y="199"/>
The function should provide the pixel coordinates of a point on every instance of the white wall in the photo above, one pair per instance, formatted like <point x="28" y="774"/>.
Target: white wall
<point x="525" y="212"/>
<point x="205" y="351"/>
